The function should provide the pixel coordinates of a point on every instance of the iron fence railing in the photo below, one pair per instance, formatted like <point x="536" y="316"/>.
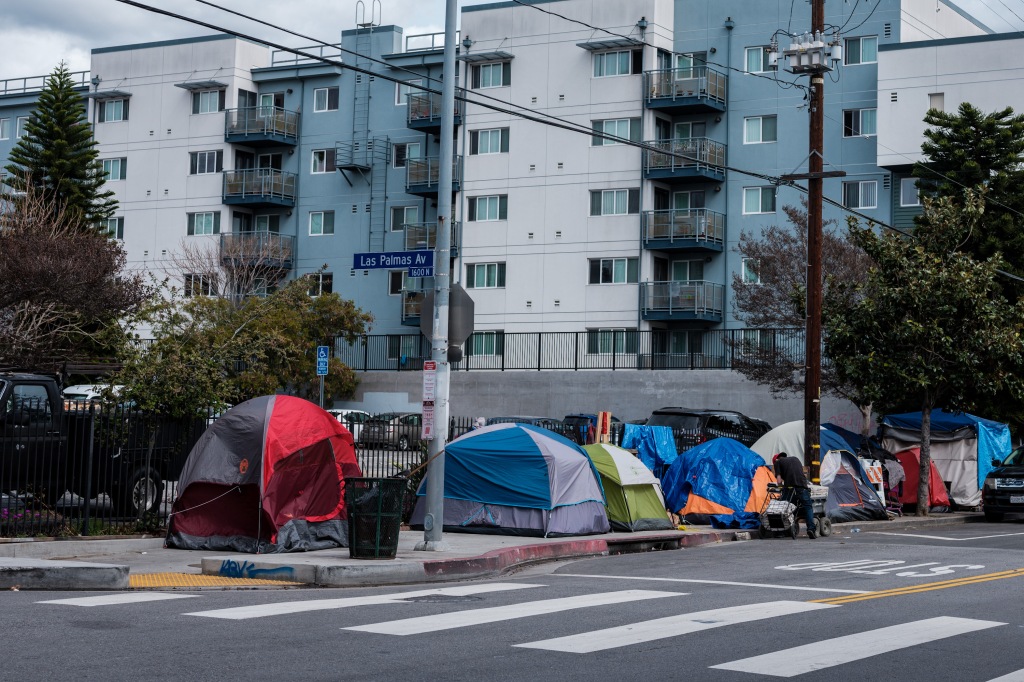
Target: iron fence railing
<point x="426" y="172"/>
<point x="263" y="249"/>
<point x="696" y="82"/>
<point x="683" y="154"/>
<point x="420" y="236"/>
<point x="694" y="225"/>
<point x="259" y="184"/>
<point x="426" y="106"/>
<point x="262" y="121"/>
<point x="693" y="298"/>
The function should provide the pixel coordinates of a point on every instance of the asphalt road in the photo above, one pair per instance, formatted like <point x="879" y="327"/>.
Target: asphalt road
<point x="940" y="604"/>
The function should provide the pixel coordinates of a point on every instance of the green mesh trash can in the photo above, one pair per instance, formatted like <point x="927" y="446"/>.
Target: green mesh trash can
<point x="374" y="516"/>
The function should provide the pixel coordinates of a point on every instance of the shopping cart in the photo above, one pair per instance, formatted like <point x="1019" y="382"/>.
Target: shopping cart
<point x="779" y="513"/>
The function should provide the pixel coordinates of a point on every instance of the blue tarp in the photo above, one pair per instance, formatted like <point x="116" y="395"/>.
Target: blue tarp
<point x="655" y="445"/>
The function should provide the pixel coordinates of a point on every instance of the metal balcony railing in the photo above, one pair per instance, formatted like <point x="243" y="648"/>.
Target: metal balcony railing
<point x="684" y="153"/>
<point x="426" y="106"/>
<point x="686" y="86"/>
<point x="689" y="298"/>
<point x="690" y="225"/>
<point x="259" y="184"/>
<point x="412" y="304"/>
<point x="425" y="173"/>
<point x="266" y="122"/>
<point x="20" y="86"/>
<point x="420" y="236"/>
<point x="267" y="249"/>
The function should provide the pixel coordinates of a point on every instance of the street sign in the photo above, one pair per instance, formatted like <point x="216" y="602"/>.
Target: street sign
<point x="394" y="260"/>
<point x="429" y="381"/>
<point x="421" y="272"/>
<point x="460" y="315"/>
<point x="323" y="356"/>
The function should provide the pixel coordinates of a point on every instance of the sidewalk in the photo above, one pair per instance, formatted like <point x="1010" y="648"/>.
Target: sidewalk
<point x="125" y="563"/>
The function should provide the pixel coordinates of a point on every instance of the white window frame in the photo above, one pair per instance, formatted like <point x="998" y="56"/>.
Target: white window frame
<point x="203" y="161"/>
<point x="109" y="165"/>
<point x="325" y="105"/>
<point x="108" y="108"/>
<point x="19" y="130"/>
<point x="317" y="284"/>
<point x="917" y="192"/>
<point x="318" y="162"/>
<point x="614" y="197"/>
<point x="113" y="227"/>
<point x="749" y="271"/>
<point x="484" y="343"/>
<point x="756" y="124"/>
<point x="489" y="69"/>
<point x="323" y="219"/>
<point x="860" y="40"/>
<point x="861" y="186"/>
<point x="602" y="58"/>
<point x="616" y="271"/>
<point x="487" y="269"/>
<point x="859" y="113"/>
<point x="484" y="205"/>
<point x="610" y="339"/>
<point x="632" y="130"/>
<point x="762" y="52"/>
<point x="5" y="128"/>
<point x="760" y="200"/>
<point x="403" y="89"/>
<point x="204" y="101"/>
<point x="408" y="147"/>
<point x="405" y="217"/>
<point x="204" y="223"/>
<point x="493" y="137"/>
<point x="190" y="280"/>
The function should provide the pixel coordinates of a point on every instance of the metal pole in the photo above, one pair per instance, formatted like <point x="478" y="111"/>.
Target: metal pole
<point x="321" y="391"/>
<point x="433" y="521"/>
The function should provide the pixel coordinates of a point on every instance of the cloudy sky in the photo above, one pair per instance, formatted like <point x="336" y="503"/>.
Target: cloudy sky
<point x="37" y="34"/>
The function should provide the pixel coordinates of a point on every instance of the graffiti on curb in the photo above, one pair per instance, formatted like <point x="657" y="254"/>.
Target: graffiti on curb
<point x="246" y="569"/>
<point x="882" y="567"/>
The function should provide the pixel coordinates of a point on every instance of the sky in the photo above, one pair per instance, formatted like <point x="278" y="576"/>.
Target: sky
<point x="37" y="34"/>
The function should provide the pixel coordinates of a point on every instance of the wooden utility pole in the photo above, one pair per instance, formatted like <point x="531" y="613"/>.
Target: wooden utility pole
<point x="812" y="373"/>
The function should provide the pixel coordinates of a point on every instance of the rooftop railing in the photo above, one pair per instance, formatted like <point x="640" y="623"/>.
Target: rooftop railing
<point x="20" y="86"/>
<point x="286" y="58"/>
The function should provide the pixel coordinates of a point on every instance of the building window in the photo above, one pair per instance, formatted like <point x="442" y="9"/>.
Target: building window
<point x="113" y="228"/>
<point x="5" y="128"/>
<point x="202" y="163"/>
<point x="22" y="122"/>
<point x="613" y="270"/>
<point x="625" y="128"/>
<point x="323" y="161"/>
<point x="404" y="215"/>
<point x="208" y="101"/>
<point x="759" y="200"/>
<point x="608" y="341"/>
<point x="197" y="285"/>
<point x="492" y="141"/>
<point x="751" y="271"/>
<point x="484" y="209"/>
<point x="618" y="63"/>
<point x="861" y="50"/>
<point x="760" y="129"/>
<point x="113" y="110"/>
<point x="321" y="283"/>
<point x="486" y="343"/>
<point x="396" y="282"/>
<point x="403" y="151"/>
<point x="115" y="169"/>
<point x="858" y="122"/>
<point x="910" y="195"/>
<point x="757" y="59"/>
<point x="614" y="202"/>
<point x="206" y="222"/>
<point x="321" y="223"/>
<point x="863" y="194"/>
<point x="937" y="100"/>
<point x="402" y="91"/>
<point x="492" y="75"/>
<point x="485" y="276"/>
<point x="325" y="99"/>
<point x="268" y="223"/>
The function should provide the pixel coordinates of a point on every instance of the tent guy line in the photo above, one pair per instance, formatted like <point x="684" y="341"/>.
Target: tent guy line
<point x="711" y="582"/>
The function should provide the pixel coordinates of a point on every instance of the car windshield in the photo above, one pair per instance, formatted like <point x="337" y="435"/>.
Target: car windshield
<point x="385" y="417"/>
<point x="676" y="421"/>
<point x="1015" y="458"/>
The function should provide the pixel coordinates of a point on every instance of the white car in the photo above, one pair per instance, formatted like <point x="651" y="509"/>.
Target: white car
<point x="353" y="421"/>
<point x="89" y="391"/>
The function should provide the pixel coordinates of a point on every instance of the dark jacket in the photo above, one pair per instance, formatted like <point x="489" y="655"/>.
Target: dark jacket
<point x="790" y="472"/>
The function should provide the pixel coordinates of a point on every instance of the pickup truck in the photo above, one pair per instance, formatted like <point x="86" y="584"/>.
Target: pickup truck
<point x="49" y="446"/>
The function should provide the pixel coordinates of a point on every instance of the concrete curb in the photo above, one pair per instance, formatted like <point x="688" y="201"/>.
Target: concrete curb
<point x="72" y="548"/>
<point x="953" y="519"/>
<point x="41" y="574"/>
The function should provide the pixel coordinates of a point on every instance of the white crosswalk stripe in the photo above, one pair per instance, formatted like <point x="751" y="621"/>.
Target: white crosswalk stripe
<point x="120" y="598"/>
<point x="839" y="650"/>
<point x="459" y="619"/>
<point x="672" y="626"/>
<point x="1015" y="676"/>
<point x="289" y="607"/>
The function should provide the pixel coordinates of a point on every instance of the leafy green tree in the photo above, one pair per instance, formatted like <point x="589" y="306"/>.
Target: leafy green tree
<point x="58" y="157"/>
<point x="930" y="324"/>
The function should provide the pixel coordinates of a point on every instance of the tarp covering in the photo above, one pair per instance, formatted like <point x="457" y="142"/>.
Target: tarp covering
<point x="267" y="476"/>
<point x="722" y="479"/>
<point x="655" y="445"/>
<point x="850" y="495"/>
<point x="789" y="438"/>
<point x="911" y="461"/>
<point x="635" y="501"/>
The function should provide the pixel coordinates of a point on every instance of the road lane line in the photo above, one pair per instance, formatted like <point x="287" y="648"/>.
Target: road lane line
<point x="925" y="587"/>
<point x="672" y="626"/>
<point x="120" y="598"/>
<point x="939" y="537"/>
<point x="839" y="650"/>
<point x="711" y="582"/>
<point x="460" y="619"/>
<point x="289" y="607"/>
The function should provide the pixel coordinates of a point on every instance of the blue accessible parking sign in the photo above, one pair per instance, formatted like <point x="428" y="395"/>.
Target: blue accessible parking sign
<point x="323" y="355"/>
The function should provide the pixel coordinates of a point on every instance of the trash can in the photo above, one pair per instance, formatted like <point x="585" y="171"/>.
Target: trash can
<point x="374" y="516"/>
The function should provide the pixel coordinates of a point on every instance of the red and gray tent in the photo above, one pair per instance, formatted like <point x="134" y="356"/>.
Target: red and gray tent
<point x="267" y="476"/>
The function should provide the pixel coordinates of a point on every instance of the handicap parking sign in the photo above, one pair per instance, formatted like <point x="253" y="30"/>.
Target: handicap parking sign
<point x="323" y="354"/>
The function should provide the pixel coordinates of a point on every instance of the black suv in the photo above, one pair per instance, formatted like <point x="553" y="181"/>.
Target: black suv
<point x="1003" y="492"/>
<point x="692" y="427"/>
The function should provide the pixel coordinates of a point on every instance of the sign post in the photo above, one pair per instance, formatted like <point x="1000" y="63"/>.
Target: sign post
<point x="323" y="357"/>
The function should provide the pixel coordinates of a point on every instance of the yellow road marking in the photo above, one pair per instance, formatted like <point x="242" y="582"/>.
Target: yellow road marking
<point x="163" y="580"/>
<point x="924" y="587"/>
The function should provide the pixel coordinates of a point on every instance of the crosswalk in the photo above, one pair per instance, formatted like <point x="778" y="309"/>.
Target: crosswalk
<point x="450" y="613"/>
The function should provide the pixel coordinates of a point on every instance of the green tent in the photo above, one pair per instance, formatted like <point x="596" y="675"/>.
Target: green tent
<point x="634" y="499"/>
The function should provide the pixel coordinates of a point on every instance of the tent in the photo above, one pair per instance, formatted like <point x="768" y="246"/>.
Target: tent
<point x="721" y="479"/>
<point x="850" y="494"/>
<point x="518" y="479"/>
<point x="789" y="438"/>
<point x="633" y="493"/>
<point x="911" y="461"/>
<point x="962" y="448"/>
<point x="654" y="445"/>
<point x="267" y="476"/>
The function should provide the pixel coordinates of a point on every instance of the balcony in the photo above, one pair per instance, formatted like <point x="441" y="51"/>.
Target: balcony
<point x="685" y="160"/>
<point x="425" y="112"/>
<point x="420" y="236"/>
<point x="412" y="306"/>
<point x="422" y="175"/>
<point x="259" y="188"/>
<point x="695" y="229"/>
<point x="261" y="126"/>
<point x="257" y="249"/>
<point x="700" y="89"/>
<point x="693" y="300"/>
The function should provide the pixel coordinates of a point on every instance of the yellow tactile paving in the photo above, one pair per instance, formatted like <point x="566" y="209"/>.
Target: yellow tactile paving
<point x="157" y="580"/>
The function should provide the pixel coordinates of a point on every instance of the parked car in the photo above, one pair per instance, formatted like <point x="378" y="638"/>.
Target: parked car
<point x="694" y="426"/>
<point x="549" y="423"/>
<point x="1003" y="491"/>
<point x="353" y="421"/>
<point x="399" y="430"/>
<point x="579" y="423"/>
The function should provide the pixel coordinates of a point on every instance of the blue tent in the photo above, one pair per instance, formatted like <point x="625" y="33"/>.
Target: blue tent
<point x="655" y="446"/>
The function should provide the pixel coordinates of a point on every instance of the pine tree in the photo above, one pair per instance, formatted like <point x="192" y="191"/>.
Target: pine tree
<point x="57" y="155"/>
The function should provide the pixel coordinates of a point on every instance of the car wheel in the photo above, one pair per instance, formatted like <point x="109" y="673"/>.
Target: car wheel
<point x="993" y="516"/>
<point x="824" y="526"/>
<point x="139" y="494"/>
<point x="403" y="442"/>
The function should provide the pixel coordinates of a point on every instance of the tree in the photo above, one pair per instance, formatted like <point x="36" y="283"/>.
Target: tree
<point x="57" y="155"/>
<point x="930" y="323"/>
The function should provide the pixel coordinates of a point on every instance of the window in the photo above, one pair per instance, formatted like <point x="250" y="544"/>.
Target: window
<point x="614" y="201"/>
<point x="402" y="152"/>
<point x="324" y="161"/>
<point x="404" y="215"/>
<point x="268" y="223"/>
<point x="687" y="271"/>
<point x="207" y="101"/>
<point x="206" y="222"/>
<point x="396" y="282"/>
<point x="759" y="200"/>
<point x="862" y="50"/>
<point x="485" y="276"/>
<point x="197" y="285"/>
<point x="325" y="99"/>
<point x="111" y="110"/>
<point x="492" y="75"/>
<point x="618" y="63"/>
<point x="5" y="128"/>
<point x="937" y="100"/>
<point x="909" y="193"/>
<point x="760" y="129"/>
<point x="626" y="128"/>
<point x="402" y="91"/>
<point x="751" y="271"/>
<point x="321" y="222"/>
<point x="863" y="194"/>
<point x="613" y="270"/>
<point x="115" y="169"/>
<point x="857" y="122"/>
<point x="113" y="228"/>
<point x="757" y="59"/>
<point x="490" y="208"/>
<point x="20" y="131"/>
<point x="202" y="163"/>
<point x="486" y="343"/>
<point x="608" y="341"/>
<point x="491" y="141"/>
<point x="321" y="283"/>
